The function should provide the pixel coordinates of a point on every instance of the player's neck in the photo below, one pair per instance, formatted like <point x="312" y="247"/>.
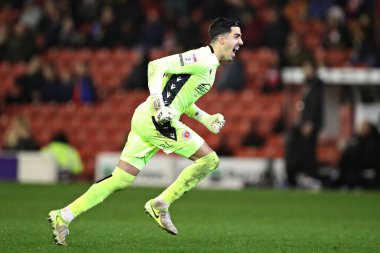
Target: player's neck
<point x="216" y="50"/>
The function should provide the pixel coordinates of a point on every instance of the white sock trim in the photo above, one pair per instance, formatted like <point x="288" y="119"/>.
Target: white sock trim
<point x="67" y="215"/>
<point x="160" y="203"/>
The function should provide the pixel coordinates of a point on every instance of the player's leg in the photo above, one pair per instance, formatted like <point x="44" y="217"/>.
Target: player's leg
<point x="205" y="162"/>
<point x="121" y="178"/>
<point x="190" y="145"/>
<point x="128" y="167"/>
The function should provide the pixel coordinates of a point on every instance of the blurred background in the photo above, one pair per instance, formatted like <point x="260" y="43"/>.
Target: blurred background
<point x="302" y="97"/>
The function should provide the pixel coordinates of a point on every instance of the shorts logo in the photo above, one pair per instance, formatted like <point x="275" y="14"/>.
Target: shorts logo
<point x="186" y="134"/>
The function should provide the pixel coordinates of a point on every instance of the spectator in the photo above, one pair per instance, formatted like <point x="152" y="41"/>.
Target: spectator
<point x="236" y="8"/>
<point x="311" y="114"/>
<point x="50" y="24"/>
<point x="105" y="31"/>
<point x="67" y="157"/>
<point x="301" y="164"/>
<point x="21" y="44"/>
<point x="29" y="83"/>
<point x="138" y="79"/>
<point x="67" y="86"/>
<point x="294" y="54"/>
<point x="31" y="14"/>
<point x="87" y="10"/>
<point x="296" y="162"/>
<point x="362" y="39"/>
<point x="51" y="87"/>
<point x="152" y="31"/>
<point x="355" y="9"/>
<point x="84" y="91"/>
<point x="253" y="137"/>
<point x="336" y="34"/>
<point x="276" y="30"/>
<point x="318" y="8"/>
<point x="131" y="17"/>
<point x="18" y="136"/>
<point x="187" y="34"/>
<point x="253" y="29"/>
<point x="359" y="164"/>
<point x="69" y="36"/>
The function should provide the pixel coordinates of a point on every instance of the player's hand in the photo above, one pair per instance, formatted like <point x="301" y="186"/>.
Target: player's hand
<point x="162" y="114"/>
<point x="214" y="123"/>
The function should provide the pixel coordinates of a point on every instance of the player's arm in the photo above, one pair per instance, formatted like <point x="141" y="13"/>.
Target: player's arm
<point x="189" y="62"/>
<point x="214" y="122"/>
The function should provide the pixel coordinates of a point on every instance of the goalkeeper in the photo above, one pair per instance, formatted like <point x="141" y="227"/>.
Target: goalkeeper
<point x="175" y="83"/>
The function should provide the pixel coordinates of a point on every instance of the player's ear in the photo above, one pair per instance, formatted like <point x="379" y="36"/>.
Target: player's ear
<point x="221" y="39"/>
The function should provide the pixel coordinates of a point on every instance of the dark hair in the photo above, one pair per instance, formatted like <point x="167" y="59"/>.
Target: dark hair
<point x="60" y="137"/>
<point x="221" y="25"/>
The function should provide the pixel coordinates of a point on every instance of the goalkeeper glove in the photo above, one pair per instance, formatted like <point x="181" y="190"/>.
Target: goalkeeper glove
<point x="162" y="114"/>
<point x="214" y="122"/>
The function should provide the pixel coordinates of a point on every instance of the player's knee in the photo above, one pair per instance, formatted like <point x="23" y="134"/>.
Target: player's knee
<point x="122" y="178"/>
<point x="212" y="161"/>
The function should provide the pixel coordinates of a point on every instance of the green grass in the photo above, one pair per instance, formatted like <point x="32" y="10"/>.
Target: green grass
<point x="209" y="221"/>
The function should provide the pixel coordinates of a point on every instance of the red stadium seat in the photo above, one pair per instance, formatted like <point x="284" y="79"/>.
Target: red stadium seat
<point x="337" y="57"/>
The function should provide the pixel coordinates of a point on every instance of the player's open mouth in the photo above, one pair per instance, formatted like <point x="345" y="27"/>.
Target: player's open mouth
<point x="234" y="50"/>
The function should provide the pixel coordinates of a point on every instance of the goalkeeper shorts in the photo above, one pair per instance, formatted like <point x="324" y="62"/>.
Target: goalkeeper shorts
<point x="147" y="137"/>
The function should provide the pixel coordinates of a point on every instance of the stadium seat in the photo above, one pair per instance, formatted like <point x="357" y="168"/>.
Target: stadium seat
<point x="312" y="41"/>
<point x="83" y="54"/>
<point x="157" y="53"/>
<point x="247" y="152"/>
<point x="101" y="55"/>
<point x="336" y="57"/>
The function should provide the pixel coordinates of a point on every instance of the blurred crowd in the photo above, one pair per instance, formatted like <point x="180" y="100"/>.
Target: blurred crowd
<point x="296" y="30"/>
<point x="284" y="25"/>
<point x="41" y="83"/>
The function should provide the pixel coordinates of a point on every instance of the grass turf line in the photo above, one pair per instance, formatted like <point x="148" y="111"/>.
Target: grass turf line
<point x="208" y="221"/>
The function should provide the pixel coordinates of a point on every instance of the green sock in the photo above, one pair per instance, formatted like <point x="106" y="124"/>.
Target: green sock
<point x="101" y="190"/>
<point x="190" y="177"/>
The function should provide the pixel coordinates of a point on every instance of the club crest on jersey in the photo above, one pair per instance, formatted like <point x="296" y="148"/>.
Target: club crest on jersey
<point x="186" y="134"/>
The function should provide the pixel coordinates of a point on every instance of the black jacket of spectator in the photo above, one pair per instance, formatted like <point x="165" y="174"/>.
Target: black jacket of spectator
<point x="313" y="103"/>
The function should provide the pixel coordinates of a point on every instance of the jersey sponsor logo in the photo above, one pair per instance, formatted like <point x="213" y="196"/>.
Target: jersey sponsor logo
<point x="203" y="88"/>
<point x="186" y="134"/>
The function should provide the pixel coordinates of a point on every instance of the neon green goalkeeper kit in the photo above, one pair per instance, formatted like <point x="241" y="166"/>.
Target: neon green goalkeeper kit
<point x="183" y="79"/>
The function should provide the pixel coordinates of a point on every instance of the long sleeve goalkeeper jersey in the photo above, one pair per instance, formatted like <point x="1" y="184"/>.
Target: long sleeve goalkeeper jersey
<point x="181" y="79"/>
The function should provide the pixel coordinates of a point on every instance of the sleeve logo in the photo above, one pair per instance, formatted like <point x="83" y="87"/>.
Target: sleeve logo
<point x="187" y="59"/>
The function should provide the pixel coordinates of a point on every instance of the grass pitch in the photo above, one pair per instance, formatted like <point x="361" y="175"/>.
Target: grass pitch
<point x="208" y="221"/>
